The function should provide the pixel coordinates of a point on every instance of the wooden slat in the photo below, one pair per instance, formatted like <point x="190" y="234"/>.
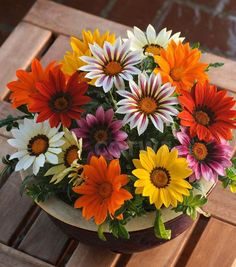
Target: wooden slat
<point x="10" y="257"/>
<point x="5" y="110"/>
<point x="224" y="77"/>
<point x="222" y="204"/>
<point x="44" y="240"/>
<point x="57" y="50"/>
<point x="216" y="246"/>
<point x="26" y="42"/>
<point x="85" y="256"/>
<point x="165" y="255"/>
<point x="13" y="207"/>
<point x="68" y="21"/>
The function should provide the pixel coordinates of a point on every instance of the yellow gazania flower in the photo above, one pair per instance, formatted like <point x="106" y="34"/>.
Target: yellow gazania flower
<point x="161" y="176"/>
<point x="67" y="159"/>
<point x="72" y="61"/>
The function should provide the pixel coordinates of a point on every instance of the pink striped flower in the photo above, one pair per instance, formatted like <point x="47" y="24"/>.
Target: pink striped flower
<point x="148" y="100"/>
<point x="206" y="159"/>
<point x="111" y="65"/>
<point x="102" y="134"/>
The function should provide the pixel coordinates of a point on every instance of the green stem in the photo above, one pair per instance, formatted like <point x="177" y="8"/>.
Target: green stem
<point x="11" y="119"/>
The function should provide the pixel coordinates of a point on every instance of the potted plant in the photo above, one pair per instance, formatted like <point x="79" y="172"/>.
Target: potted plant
<point x="122" y="141"/>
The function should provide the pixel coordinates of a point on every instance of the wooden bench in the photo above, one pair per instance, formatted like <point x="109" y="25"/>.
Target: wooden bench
<point x="27" y="236"/>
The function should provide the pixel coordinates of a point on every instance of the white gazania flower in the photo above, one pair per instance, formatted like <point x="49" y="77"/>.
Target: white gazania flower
<point x="111" y="65"/>
<point x="148" y="100"/>
<point x="71" y="152"/>
<point x="37" y="143"/>
<point x="149" y="42"/>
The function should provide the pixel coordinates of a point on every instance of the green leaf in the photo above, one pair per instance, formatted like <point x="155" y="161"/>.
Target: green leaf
<point x="123" y="232"/>
<point x="101" y="233"/>
<point x="191" y="204"/>
<point x="214" y="65"/>
<point x="195" y="45"/>
<point x="159" y="227"/>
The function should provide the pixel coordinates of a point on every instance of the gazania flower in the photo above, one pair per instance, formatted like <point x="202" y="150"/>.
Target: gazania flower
<point x="149" y="42"/>
<point x="72" y="61"/>
<point x="148" y="100"/>
<point x="24" y="87"/>
<point x="161" y="176"/>
<point x="36" y="143"/>
<point x="101" y="134"/>
<point x="59" y="100"/>
<point x="208" y="113"/>
<point x="179" y="65"/>
<point x="102" y="191"/>
<point x="206" y="159"/>
<point x="71" y="151"/>
<point x="111" y="65"/>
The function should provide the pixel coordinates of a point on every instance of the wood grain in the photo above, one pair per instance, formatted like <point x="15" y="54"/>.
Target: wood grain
<point x="25" y="42"/>
<point x="224" y="77"/>
<point x="68" y="21"/>
<point x="13" y="207"/>
<point x="57" y="50"/>
<point x="222" y="204"/>
<point x="44" y="240"/>
<point x="85" y="256"/>
<point x="5" y="110"/>
<point x="216" y="247"/>
<point x="10" y="257"/>
<point x="165" y="255"/>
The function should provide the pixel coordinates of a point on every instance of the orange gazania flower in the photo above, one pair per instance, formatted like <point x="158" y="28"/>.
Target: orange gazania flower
<point x="59" y="99"/>
<point x="208" y="112"/>
<point x="24" y="87"/>
<point x="179" y="65"/>
<point x="102" y="191"/>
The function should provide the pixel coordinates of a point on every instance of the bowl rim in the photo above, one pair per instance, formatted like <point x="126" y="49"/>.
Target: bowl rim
<point x="62" y="211"/>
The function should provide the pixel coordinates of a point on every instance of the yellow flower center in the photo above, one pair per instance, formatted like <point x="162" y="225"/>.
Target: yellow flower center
<point x="152" y="49"/>
<point x="199" y="151"/>
<point x="202" y="117"/>
<point x="71" y="154"/>
<point x="160" y="177"/>
<point x="148" y="105"/>
<point x="101" y="136"/>
<point x="113" y="68"/>
<point x="176" y="74"/>
<point x="38" y="144"/>
<point x="105" y="190"/>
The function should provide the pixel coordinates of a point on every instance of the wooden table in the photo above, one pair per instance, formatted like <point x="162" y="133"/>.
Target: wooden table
<point x="27" y="236"/>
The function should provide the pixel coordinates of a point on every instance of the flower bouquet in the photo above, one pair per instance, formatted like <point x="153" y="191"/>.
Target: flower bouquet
<point x="125" y="137"/>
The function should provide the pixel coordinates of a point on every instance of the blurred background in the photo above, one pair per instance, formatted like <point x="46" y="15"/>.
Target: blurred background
<point x="211" y="22"/>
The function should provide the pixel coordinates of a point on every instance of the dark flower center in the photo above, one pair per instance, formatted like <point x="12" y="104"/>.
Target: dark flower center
<point x="148" y="105"/>
<point x="38" y="144"/>
<point x="60" y="102"/>
<point x="113" y="68"/>
<point x="100" y="136"/>
<point x="200" y="151"/>
<point x="202" y="117"/>
<point x="105" y="190"/>
<point x="176" y="74"/>
<point x="160" y="177"/>
<point x="152" y="49"/>
<point x="70" y="155"/>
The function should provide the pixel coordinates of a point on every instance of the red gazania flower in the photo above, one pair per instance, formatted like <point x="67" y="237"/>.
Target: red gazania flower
<point x="208" y="112"/>
<point x="59" y="99"/>
<point x="24" y="87"/>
